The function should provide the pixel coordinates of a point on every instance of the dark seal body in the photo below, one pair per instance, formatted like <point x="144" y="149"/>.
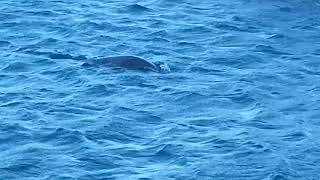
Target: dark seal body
<point x="128" y="62"/>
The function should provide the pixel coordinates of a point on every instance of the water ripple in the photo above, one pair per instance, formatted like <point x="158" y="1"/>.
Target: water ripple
<point x="241" y="102"/>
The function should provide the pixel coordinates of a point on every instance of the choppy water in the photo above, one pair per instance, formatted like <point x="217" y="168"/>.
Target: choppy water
<point x="242" y="100"/>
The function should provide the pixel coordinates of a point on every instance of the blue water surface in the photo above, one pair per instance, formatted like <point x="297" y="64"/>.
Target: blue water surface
<point x="242" y="100"/>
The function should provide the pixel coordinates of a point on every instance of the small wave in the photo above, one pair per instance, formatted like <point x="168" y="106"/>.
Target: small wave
<point x="92" y="25"/>
<point x="45" y="13"/>
<point x="92" y="162"/>
<point x="244" y="99"/>
<point x="169" y="3"/>
<point x="136" y="8"/>
<point x="45" y="62"/>
<point x="203" y="122"/>
<point x="70" y="111"/>
<point x="285" y="9"/>
<point x="307" y="27"/>
<point x="253" y="145"/>
<point x="61" y="136"/>
<point x="187" y="44"/>
<point x="229" y="27"/>
<point x="104" y="38"/>
<point x="160" y="40"/>
<point x="269" y="50"/>
<point x="196" y="30"/>
<point x="12" y="104"/>
<point x="169" y="151"/>
<point x="23" y="167"/>
<point x="17" y="67"/>
<point x="4" y="43"/>
<point x="123" y="131"/>
<point x="190" y="98"/>
<point x="8" y="16"/>
<point x="138" y="115"/>
<point x="316" y="52"/>
<point x="15" y="134"/>
<point x="68" y="75"/>
<point x="260" y="124"/>
<point x="297" y="136"/>
<point x="200" y="69"/>
<point x="162" y="33"/>
<point x="99" y="90"/>
<point x="59" y="56"/>
<point x="47" y="42"/>
<point x="66" y="56"/>
<point x="51" y="55"/>
<point x="278" y="36"/>
<point x="10" y="24"/>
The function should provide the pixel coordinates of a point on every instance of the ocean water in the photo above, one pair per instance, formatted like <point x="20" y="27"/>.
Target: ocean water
<point x="242" y="100"/>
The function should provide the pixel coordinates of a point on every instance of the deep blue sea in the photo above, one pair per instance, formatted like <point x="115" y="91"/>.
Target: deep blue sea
<point x="242" y="100"/>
